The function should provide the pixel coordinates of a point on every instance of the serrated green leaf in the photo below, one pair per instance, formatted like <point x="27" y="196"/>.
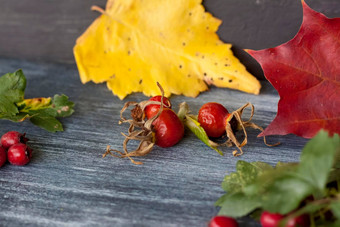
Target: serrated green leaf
<point x="13" y="81"/>
<point x="222" y="200"/>
<point x="12" y="87"/>
<point x="285" y="194"/>
<point x="238" y="205"/>
<point x="283" y="188"/>
<point x="62" y="105"/>
<point x="196" y="128"/>
<point x="317" y="160"/>
<point x="246" y="173"/>
<point x="41" y="111"/>
<point x="290" y="187"/>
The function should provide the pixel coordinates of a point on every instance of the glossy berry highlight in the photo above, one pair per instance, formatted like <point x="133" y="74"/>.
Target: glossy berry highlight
<point x="168" y="128"/>
<point x="213" y="118"/>
<point x="19" y="154"/>
<point x="152" y="109"/>
<point x="270" y="219"/>
<point x="273" y="220"/>
<point x="223" y="221"/>
<point x="12" y="137"/>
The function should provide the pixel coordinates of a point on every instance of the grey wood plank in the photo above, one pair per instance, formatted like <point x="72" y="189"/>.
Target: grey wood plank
<point x="46" y="30"/>
<point x="68" y="183"/>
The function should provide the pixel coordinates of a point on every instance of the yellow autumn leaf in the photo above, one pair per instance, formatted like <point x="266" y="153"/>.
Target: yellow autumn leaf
<point x="34" y="104"/>
<point x="136" y="43"/>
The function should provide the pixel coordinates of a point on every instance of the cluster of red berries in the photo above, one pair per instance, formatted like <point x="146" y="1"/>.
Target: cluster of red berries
<point x="14" y="149"/>
<point x="155" y="123"/>
<point x="267" y="220"/>
<point x="168" y="127"/>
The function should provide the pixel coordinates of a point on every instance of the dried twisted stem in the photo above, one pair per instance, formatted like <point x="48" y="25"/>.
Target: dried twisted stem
<point x="237" y="115"/>
<point x="139" y="130"/>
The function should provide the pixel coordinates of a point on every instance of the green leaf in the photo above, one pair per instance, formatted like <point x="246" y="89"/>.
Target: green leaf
<point x="238" y="205"/>
<point x="196" y="128"/>
<point x="335" y="224"/>
<point x="246" y="173"/>
<point x="222" y="200"/>
<point x="335" y="207"/>
<point x="12" y="87"/>
<point x="283" y="188"/>
<point x="285" y="194"/>
<point x="41" y="111"/>
<point x="317" y="160"/>
<point x="62" y="105"/>
<point x="46" y="122"/>
<point x="309" y="208"/>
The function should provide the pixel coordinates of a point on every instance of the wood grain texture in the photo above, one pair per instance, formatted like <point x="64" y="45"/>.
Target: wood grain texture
<point x="46" y="30"/>
<point x="68" y="183"/>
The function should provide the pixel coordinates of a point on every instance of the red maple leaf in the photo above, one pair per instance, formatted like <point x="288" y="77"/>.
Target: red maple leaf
<point x="306" y="73"/>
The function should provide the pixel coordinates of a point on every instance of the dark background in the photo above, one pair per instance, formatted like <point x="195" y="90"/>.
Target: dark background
<point x="46" y="30"/>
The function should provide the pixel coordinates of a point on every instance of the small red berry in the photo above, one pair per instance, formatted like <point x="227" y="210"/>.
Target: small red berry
<point x="19" y="154"/>
<point x="270" y="219"/>
<point x="152" y="109"/>
<point x="168" y="128"/>
<point x="273" y="220"/>
<point x="301" y="221"/>
<point x="12" y="137"/>
<point x="223" y="221"/>
<point x="3" y="156"/>
<point x="213" y="118"/>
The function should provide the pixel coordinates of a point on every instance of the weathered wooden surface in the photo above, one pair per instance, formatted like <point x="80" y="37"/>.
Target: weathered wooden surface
<point x="68" y="182"/>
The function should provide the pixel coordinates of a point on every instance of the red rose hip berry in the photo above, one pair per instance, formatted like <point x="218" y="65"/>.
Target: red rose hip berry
<point x="3" y="156"/>
<point x="152" y="109"/>
<point x="213" y="118"/>
<point x="223" y="221"/>
<point x="273" y="219"/>
<point x="270" y="219"/>
<point x="12" y="137"/>
<point x="168" y="128"/>
<point x="19" y="154"/>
